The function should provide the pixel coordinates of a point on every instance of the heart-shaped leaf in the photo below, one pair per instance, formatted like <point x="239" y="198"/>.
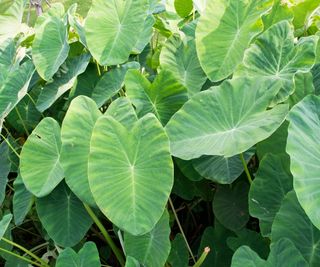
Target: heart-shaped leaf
<point x="87" y="256"/>
<point x="115" y="26"/>
<point x="130" y="172"/>
<point x="181" y="59"/>
<point x="163" y="97"/>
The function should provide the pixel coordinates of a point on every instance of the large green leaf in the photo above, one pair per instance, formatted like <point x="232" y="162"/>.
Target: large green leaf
<point x="8" y="58"/>
<point x="22" y="201"/>
<point x="87" y="256"/>
<point x="152" y="248"/>
<point x="163" y="97"/>
<point x="63" y="216"/>
<point x="283" y="253"/>
<point x="224" y="31"/>
<point x="76" y="134"/>
<point x="237" y="111"/>
<point x="50" y="47"/>
<point x="5" y="166"/>
<point x="40" y="165"/>
<point x="62" y="81"/>
<point x="10" y="18"/>
<point x="181" y="59"/>
<point x="303" y="146"/>
<point x="114" y="25"/>
<point x="221" y="169"/>
<point x="275" y="57"/>
<point x="292" y="222"/>
<point x="130" y="172"/>
<point x="15" y="87"/>
<point x="272" y="182"/>
<point x="230" y="205"/>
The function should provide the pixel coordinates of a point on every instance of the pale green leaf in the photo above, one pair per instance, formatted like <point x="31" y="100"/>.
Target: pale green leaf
<point x="224" y="31"/>
<point x="123" y="164"/>
<point x="40" y="165"/>
<point x="238" y="109"/>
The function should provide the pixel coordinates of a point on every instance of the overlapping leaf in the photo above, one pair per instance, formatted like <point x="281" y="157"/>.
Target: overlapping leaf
<point x="238" y="109"/>
<point x="303" y="146"/>
<point x="224" y="31"/>
<point x="274" y="56"/>
<point x="114" y="25"/>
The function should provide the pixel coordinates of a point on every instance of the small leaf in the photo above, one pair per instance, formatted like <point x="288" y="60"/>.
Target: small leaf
<point x="163" y="97"/>
<point x="183" y="7"/>
<point x="87" y="256"/>
<point x="230" y="205"/>
<point x="22" y="201"/>
<point x="152" y="248"/>
<point x="50" y="46"/>
<point x="63" y="216"/>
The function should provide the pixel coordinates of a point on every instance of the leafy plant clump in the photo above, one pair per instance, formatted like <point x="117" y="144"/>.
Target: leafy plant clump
<point x="160" y="133"/>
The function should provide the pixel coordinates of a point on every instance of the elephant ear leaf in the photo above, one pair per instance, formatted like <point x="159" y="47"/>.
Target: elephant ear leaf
<point x="40" y="166"/>
<point x="238" y="110"/>
<point x="275" y="56"/>
<point x="50" y="47"/>
<point x="128" y="160"/>
<point x="114" y="25"/>
<point x="303" y="145"/>
<point x="224" y="31"/>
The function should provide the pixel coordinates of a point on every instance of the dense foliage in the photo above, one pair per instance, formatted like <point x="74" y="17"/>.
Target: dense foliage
<point x="160" y="133"/>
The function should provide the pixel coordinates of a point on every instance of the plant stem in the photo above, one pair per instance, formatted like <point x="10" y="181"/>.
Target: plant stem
<point x="202" y="257"/>
<point x="106" y="235"/>
<point x="22" y="122"/>
<point x="181" y="230"/>
<point x="11" y="147"/>
<point x="98" y="68"/>
<point x="244" y="163"/>
<point x="20" y="257"/>
<point x="43" y="263"/>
